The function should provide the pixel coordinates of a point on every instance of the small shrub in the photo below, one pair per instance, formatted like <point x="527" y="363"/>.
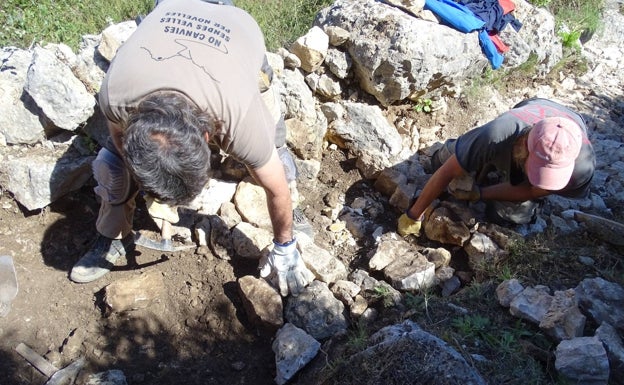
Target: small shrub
<point x="424" y="105"/>
<point x="570" y="39"/>
<point x="576" y="19"/>
<point x="419" y="303"/>
<point x="383" y="292"/>
<point x="472" y="326"/>
<point x="414" y="301"/>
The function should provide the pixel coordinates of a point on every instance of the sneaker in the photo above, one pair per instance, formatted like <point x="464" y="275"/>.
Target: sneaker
<point x="100" y="258"/>
<point x="301" y="223"/>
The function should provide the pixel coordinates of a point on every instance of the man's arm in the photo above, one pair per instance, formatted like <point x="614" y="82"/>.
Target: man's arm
<point x="272" y="178"/>
<point x="284" y="262"/>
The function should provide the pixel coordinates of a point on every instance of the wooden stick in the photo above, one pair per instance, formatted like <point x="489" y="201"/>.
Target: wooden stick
<point x="40" y="363"/>
<point x="605" y="229"/>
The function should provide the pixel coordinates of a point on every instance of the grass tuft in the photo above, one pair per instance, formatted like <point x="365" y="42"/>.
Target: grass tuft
<point x="28" y="22"/>
<point x="283" y="21"/>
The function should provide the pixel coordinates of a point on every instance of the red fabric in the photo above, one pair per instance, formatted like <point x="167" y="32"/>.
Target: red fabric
<point x="507" y="6"/>
<point x="498" y="43"/>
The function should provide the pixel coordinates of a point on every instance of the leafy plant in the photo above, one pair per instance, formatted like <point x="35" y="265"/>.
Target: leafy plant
<point x="574" y="19"/>
<point x="476" y="290"/>
<point x="472" y="326"/>
<point x="489" y="78"/>
<point x="530" y="65"/>
<point x="570" y="39"/>
<point x="91" y="143"/>
<point x="502" y="340"/>
<point x="424" y="105"/>
<point x="383" y="292"/>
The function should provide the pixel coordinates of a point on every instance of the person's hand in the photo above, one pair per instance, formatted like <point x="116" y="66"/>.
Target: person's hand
<point x="285" y="265"/>
<point x="160" y="210"/>
<point x="470" y="193"/>
<point x="408" y="225"/>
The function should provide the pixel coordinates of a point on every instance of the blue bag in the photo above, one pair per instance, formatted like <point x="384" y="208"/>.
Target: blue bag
<point x="455" y="15"/>
<point x="489" y="50"/>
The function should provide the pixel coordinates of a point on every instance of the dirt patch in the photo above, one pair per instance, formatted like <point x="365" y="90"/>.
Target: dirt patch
<point x="198" y="333"/>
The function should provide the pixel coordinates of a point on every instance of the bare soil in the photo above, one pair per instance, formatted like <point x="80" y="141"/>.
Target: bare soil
<point x="198" y="332"/>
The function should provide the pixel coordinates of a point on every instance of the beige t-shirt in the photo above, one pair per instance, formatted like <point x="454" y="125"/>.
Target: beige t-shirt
<point x="212" y="54"/>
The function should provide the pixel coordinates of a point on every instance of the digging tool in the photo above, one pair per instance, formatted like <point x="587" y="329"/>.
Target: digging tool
<point x="164" y="215"/>
<point x="165" y="243"/>
<point x="606" y="229"/>
<point x="55" y="376"/>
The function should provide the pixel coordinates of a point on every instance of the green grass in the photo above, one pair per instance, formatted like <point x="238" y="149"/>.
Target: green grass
<point x="574" y="17"/>
<point x="357" y="339"/>
<point x="383" y="293"/>
<point x="27" y="22"/>
<point x="283" y="21"/>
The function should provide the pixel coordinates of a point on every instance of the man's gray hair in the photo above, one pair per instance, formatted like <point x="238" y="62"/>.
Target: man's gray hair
<point x="165" y="146"/>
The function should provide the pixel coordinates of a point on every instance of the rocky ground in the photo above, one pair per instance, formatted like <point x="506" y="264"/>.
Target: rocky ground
<point x="197" y="332"/>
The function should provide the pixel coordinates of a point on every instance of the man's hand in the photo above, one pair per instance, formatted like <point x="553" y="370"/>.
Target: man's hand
<point x="285" y="264"/>
<point x="159" y="210"/>
<point x="408" y="225"/>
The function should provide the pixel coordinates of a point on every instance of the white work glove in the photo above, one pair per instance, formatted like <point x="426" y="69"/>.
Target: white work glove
<point x="285" y="265"/>
<point x="160" y="210"/>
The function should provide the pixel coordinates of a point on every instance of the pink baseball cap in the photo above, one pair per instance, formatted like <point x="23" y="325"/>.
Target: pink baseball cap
<point x="554" y="144"/>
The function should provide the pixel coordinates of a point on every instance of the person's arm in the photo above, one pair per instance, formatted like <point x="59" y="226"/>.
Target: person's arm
<point x="435" y="186"/>
<point x="272" y="178"/>
<point x="284" y="263"/>
<point x="507" y="192"/>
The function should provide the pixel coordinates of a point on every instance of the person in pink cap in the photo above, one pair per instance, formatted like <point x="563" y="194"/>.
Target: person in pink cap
<point x="537" y="148"/>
